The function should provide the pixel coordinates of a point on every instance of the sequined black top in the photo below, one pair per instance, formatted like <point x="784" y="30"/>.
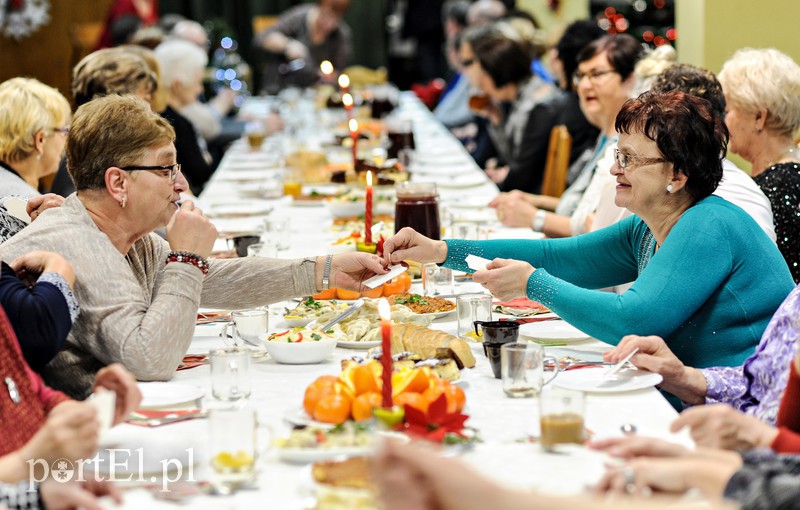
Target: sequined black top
<point x="781" y="184"/>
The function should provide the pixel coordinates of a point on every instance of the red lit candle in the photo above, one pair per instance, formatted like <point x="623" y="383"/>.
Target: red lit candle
<point x="347" y="101"/>
<point x="344" y="83"/>
<point x="368" y="212"/>
<point x="352" y="124"/>
<point x="326" y="68"/>
<point x="386" y="352"/>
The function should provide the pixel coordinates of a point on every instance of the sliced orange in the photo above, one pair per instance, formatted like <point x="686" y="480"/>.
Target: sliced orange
<point x="347" y="295"/>
<point x="415" y="380"/>
<point x="364" y="404"/>
<point x="367" y="378"/>
<point x="456" y="399"/>
<point x="414" y="400"/>
<point x="325" y="294"/>
<point x="393" y="286"/>
<point x="373" y="293"/>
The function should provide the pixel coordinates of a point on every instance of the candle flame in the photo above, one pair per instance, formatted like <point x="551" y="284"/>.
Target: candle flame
<point x="353" y="125"/>
<point x="326" y="67"/>
<point x="347" y="100"/>
<point x="384" y="310"/>
<point x="344" y="81"/>
<point x="369" y="177"/>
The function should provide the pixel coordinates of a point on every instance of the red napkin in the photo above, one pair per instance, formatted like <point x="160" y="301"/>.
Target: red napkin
<point x="521" y="303"/>
<point x="192" y="361"/>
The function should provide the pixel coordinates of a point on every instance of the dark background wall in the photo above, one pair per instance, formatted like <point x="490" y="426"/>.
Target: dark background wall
<point x="49" y="54"/>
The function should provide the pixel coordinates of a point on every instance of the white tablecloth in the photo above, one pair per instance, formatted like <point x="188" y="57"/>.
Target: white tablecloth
<point x="278" y="389"/>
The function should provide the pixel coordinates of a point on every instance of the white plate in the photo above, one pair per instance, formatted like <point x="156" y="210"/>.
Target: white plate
<point x="349" y="344"/>
<point x="470" y="180"/>
<point x="160" y="395"/>
<point x="591" y="380"/>
<point x="297" y="416"/>
<point x="238" y="210"/>
<point x="299" y="323"/>
<point x="309" y="455"/>
<point x="436" y="315"/>
<point x="556" y="330"/>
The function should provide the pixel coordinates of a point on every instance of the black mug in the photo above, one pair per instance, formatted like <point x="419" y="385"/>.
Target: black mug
<point x="242" y="242"/>
<point x="497" y="332"/>
<point x="492" y="352"/>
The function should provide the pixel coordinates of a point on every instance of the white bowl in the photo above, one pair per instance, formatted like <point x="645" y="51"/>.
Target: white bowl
<point x="300" y="353"/>
<point x="343" y="209"/>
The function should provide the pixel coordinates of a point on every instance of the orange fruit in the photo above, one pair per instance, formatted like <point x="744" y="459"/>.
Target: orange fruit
<point x="455" y="395"/>
<point x="394" y="286"/>
<point x="414" y="400"/>
<point x="325" y="294"/>
<point x="321" y="387"/>
<point x="364" y="404"/>
<point x="333" y="408"/>
<point x="456" y="399"/>
<point x="367" y="378"/>
<point x="415" y="380"/>
<point x="406" y="280"/>
<point x="373" y="293"/>
<point x="347" y="295"/>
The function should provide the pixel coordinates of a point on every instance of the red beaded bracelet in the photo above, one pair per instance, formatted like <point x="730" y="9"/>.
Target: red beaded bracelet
<point x="188" y="258"/>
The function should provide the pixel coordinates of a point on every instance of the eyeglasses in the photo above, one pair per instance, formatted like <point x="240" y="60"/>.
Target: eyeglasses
<point x="173" y="169"/>
<point x="593" y="76"/>
<point x="626" y="160"/>
<point x="468" y="62"/>
<point x="63" y="130"/>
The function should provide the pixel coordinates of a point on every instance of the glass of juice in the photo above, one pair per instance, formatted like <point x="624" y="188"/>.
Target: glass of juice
<point x="418" y="207"/>
<point x="561" y="414"/>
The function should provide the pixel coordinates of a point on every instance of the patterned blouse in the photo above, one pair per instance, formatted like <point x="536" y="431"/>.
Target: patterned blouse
<point x="781" y="184"/>
<point x="766" y="481"/>
<point x="756" y="386"/>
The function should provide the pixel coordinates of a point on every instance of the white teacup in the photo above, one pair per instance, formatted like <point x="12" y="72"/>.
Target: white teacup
<point x="248" y="325"/>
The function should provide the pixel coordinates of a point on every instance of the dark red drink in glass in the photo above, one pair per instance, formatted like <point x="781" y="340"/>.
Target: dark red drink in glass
<point x="418" y="207"/>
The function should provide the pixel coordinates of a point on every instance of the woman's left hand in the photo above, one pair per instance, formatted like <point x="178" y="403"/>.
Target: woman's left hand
<point x="117" y="379"/>
<point x="349" y="270"/>
<point x="37" y="205"/>
<point x="505" y="278"/>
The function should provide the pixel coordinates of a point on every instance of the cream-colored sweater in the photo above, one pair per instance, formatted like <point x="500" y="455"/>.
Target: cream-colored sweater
<point x="135" y="309"/>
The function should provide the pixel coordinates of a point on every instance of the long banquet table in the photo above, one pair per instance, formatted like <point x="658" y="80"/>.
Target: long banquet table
<point x="504" y="424"/>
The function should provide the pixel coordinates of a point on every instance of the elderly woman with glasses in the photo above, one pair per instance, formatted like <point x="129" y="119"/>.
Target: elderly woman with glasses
<point x="139" y="293"/>
<point x="707" y="277"/>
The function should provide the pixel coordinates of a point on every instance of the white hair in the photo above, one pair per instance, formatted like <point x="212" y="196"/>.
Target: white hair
<point x="180" y="61"/>
<point x="755" y="79"/>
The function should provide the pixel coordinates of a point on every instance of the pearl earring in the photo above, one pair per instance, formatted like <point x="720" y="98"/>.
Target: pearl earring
<point x="669" y="188"/>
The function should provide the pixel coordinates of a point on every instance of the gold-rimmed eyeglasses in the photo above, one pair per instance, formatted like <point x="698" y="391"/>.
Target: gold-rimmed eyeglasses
<point x="172" y="169"/>
<point x="63" y="130"/>
<point x="626" y="160"/>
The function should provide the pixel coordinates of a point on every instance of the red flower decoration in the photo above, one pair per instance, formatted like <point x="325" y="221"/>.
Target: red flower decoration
<point x="436" y="423"/>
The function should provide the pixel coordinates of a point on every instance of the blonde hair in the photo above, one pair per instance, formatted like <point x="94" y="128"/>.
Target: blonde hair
<point x="112" y="131"/>
<point x="755" y="79"/>
<point x="650" y="66"/>
<point x="158" y="98"/>
<point x="110" y="71"/>
<point x="28" y="106"/>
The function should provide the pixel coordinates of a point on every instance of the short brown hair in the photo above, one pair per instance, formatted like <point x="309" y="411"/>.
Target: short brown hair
<point x="112" y="131"/>
<point x="110" y="71"/>
<point x="687" y="131"/>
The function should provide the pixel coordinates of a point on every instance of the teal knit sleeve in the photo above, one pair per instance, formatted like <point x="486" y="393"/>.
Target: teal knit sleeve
<point x="596" y="260"/>
<point x="691" y="265"/>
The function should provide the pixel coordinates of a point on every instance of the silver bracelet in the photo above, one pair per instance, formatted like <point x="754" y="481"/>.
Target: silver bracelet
<point x="326" y="273"/>
<point x="538" y="220"/>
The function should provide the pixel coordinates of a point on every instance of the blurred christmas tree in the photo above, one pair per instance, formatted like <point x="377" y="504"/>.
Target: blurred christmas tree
<point x="227" y="69"/>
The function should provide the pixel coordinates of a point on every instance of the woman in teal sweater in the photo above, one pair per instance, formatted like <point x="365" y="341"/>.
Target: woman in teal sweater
<point x="707" y="278"/>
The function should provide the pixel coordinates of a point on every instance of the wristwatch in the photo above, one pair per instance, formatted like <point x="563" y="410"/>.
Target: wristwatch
<point x="326" y="273"/>
<point x="538" y="220"/>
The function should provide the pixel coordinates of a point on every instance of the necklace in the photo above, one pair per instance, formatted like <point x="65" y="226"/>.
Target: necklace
<point x="784" y="155"/>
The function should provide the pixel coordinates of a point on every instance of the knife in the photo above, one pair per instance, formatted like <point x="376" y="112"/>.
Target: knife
<point x="345" y="314"/>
